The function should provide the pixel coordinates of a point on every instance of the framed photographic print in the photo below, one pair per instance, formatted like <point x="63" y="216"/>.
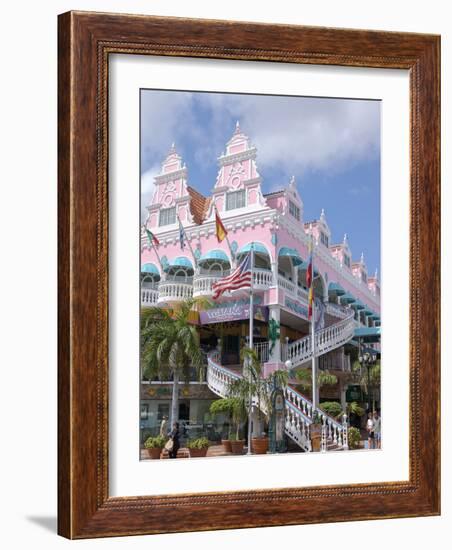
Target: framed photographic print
<point x="248" y="275"/>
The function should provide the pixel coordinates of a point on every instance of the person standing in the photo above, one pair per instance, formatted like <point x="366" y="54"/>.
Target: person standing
<point x="377" y="430"/>
<point x="164" y="427"/>
<point x="174" y="436"/>
<point x="370" y="431"/>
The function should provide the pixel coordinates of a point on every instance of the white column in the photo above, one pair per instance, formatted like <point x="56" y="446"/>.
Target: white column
<point x="275" y="355"/>
<point x="343" y="395"/>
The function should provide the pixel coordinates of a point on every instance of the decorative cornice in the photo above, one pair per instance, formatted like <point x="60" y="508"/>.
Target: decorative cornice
<point x="248" y="154"/>
<point x="170" y="176"/>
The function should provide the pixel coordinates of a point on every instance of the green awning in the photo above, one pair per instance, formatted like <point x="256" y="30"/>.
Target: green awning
<point x="292" y="254"/>
<point x="347" y="298"/>
<point x="368" y="334"/>
<point x="335" y="288"/>
<point x="150" y="268"/>
<point x="368" y="312"/>
<point x="358" y="305"/>
<point x="257" y="247"/>
<point x="214" y="256"/>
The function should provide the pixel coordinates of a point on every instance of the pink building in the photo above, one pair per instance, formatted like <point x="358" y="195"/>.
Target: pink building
<point x="274" y="225"/>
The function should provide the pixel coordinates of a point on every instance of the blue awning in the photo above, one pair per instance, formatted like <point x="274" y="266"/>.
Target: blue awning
<point x="291" y="253"/>
<point x="181" y="261"/>
<point x="150" y="268"/>
<point x="335" y="288"/>
<point x="257" y="247"/>
<point x="357" y="304"/>
<point x="348" y="298"/>
<point x="214" y="255"/>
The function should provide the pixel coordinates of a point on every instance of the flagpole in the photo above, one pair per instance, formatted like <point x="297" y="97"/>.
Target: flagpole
<point x="251" y="346"/>
<point x="188" y="242"/>
<point x="227" y="238"/>
<point x="155" y="250"/>
<point x="313" y="365"/>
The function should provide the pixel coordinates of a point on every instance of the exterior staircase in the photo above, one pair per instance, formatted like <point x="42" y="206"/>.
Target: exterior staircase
<point x="299" y="410"/>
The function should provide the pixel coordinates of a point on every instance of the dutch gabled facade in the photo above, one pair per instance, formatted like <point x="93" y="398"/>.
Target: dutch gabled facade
<point x="273" y="224"/>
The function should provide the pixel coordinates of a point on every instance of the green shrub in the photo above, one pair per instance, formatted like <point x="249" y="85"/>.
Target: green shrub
<point x="354" y="437"/>
<point x="157" y="442"/>
<point x="200" y="443"/>
<point x="331" y="408"/>
<point x="222" y="406"/>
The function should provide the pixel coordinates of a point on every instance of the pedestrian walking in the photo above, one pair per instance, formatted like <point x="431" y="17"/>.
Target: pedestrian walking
<point x="164" y="427"/>
<point x="174" y="437"/>
<point x="370" y="431"/>
<point x="377" y="429"/>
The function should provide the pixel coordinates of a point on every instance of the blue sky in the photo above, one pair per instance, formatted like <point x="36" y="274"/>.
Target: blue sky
<point x="331" y="146"/>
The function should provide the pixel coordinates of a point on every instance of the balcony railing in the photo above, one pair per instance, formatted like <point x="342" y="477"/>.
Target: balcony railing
<point x="262" y="279"/>
<point x="202" y="283"/>
<point x="175" y="290"/>
<point x="149" y="296"/>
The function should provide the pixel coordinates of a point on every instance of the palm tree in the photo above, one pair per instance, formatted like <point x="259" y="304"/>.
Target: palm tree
<point x="254" y="385"/>
<point x="170" y="347"/>
<point x="324" y="378"/>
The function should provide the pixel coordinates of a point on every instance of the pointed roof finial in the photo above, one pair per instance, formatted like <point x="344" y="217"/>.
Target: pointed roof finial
<point x="362" y="257"/>
<point x="292" y="181"/>
<point x="376" y="273"/>
<point x="322" y="215"/>
<point x="237" y="127"/>
<point x="345" y="238"/>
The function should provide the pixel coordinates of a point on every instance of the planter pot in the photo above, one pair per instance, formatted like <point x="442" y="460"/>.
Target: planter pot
<point x="154" y="453"/>
<point x="197" y="453"/>
<point x="226" y="445"/>
<point x="237" y="446"/>
<point x="259" y="445"/>
<point x="316" y="436"/>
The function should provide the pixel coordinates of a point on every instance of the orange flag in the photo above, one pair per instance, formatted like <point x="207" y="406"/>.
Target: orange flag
<point x="220" y="228"/>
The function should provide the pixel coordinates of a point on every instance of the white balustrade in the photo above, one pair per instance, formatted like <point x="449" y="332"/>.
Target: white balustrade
<point x="175" y="291"/>
<point x="262" y="279"/>
<point x="149" y="297"/>
<point x="326" y="340"/>
<point x="202" y="284"/>
<point x="299" y="410"/>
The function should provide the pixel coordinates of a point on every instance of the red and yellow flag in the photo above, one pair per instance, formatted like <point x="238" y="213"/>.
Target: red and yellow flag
<point x="310" y="278"/>
<point x="219" y="227"/>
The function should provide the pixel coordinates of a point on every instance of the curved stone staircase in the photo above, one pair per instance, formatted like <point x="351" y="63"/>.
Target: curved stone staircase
<point x="299" y="410"/>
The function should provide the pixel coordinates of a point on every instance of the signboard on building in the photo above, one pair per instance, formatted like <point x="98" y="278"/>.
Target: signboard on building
<point x="232" y="311"/>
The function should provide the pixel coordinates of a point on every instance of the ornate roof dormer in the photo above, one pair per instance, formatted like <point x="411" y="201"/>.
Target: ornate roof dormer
<point x="238" y="183"/>
<point x="374" y="284"/>
<point x="171" y="197"/>
<point x="342" y="252"/>
<point x="293" y="205"/>
<point x="320" y="230"/>
<point x="359" y="269"/>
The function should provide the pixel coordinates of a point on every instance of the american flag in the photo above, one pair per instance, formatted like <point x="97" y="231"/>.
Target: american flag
<point x="239" y="278"/>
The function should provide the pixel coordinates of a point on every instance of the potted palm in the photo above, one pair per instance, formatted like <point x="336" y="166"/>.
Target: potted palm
<point x="154" y="446"/>
<point x="239" y="414"/>
<point x="198" y="447"/>
<point x="254" y="386"/>
<point x="224" y="406"/>
<point x="316" y="432"/>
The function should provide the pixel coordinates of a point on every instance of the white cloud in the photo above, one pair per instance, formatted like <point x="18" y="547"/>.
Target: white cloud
<point x="147" y="189"/>
<point x="296" y="135"/>
<point x="292" y="135"/>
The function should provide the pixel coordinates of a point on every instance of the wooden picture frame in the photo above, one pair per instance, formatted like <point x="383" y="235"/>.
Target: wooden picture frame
<point x="86" y="40"/>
